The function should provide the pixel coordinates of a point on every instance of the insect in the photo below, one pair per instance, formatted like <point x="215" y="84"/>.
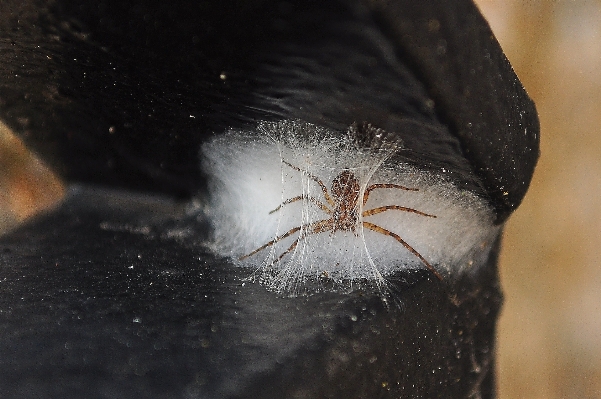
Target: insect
<point x="342" y="207"/>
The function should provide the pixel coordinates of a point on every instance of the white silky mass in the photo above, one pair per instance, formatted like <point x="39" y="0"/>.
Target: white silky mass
<point x="249" y="177"/>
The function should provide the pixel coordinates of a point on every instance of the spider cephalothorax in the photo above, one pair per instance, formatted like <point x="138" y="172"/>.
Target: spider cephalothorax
<point x="342" y="205"/>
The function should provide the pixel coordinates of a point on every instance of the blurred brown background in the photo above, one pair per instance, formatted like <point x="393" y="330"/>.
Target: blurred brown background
<point x="550" y="329"/>
<point x="26" y="185"/>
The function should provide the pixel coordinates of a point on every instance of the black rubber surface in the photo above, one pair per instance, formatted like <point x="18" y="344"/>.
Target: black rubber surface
<point x="111" y="296"/>
<point x="123" y="92"/>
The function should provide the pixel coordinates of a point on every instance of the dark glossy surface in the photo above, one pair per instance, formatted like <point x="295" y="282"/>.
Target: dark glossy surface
<point x="111" y="296"/>
<point x="123" y="92"/>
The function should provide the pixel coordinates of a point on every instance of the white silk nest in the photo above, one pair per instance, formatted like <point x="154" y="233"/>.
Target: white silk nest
<point x="251" y="173"/>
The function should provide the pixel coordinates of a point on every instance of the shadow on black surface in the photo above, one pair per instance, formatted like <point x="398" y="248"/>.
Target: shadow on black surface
<point x="111" y="296"/>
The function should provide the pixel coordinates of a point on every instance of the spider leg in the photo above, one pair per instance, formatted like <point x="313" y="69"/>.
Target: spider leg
<point x="381" y="209"/>
<point x="312" y="228"/>
<point x="301" y="197"/>
<point x="326" y="195"/>
<point x="289" y="233"/>
<point x="320" y="226"/>
<point x="384" y="185"/>
<point x="290" y="248"/>
<point x="381" y="230"/>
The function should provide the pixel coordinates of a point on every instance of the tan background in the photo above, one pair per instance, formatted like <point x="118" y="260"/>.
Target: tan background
<point x="26" y="185"/>
<point x="550" y="329"/>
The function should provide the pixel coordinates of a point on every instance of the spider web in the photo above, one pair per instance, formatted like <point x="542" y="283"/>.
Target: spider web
<point x="319" y="256"/>
<point x="250" y="176"/>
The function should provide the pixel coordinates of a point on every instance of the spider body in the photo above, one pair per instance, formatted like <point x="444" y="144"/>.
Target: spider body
<point x="345" y="192"/>
<point x="343" y="208"/>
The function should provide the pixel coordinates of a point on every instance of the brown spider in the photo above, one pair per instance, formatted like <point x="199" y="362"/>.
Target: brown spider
<point x="344" y="213"/>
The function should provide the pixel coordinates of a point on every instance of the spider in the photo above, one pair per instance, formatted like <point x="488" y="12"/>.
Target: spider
<point x="342" y="202"/>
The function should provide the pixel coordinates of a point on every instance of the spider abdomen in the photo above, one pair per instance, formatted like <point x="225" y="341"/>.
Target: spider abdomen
<point x="345" y="187"/>
<point x="345" y="217"/>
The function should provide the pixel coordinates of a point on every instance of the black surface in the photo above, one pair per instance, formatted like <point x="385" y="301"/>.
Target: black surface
<point x="123" y="92"/>
<point x="111" y="296"/>
<point x="453" y="51"/>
